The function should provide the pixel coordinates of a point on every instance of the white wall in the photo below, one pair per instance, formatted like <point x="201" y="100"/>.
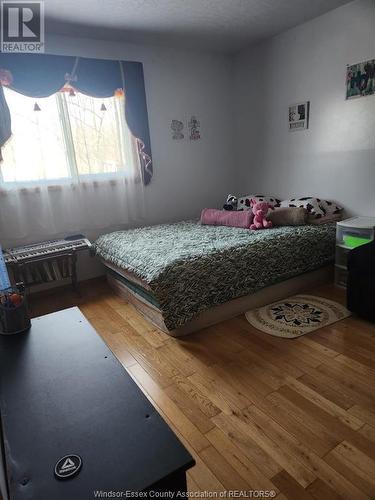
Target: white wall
<point x="335" y="157"/>
<point x="188" y="175"/>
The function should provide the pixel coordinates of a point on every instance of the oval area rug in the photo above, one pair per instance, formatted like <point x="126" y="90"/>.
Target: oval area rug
<point x="296" y="316"/>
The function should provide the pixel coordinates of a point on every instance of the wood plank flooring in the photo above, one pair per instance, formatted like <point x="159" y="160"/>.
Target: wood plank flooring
<point x="257" y="412"/>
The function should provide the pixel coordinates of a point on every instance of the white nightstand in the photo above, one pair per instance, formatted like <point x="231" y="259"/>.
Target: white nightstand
<point x="350" y="233"/>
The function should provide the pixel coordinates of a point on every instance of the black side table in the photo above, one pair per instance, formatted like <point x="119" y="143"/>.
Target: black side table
<point x="66" y="399"/>
<point x="361" y="281"/>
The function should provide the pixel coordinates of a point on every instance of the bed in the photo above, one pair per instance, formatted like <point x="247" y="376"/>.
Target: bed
<point x="185" y="276"/>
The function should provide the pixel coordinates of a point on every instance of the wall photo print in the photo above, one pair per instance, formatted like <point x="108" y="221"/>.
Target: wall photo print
<point x="194" y="127"/>
<point x="299" y="116"/>
<point x="177" y="127"/>
<point x="360" y="79"/>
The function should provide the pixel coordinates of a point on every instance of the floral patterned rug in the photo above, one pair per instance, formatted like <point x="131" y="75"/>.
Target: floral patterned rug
<point x="296" y="316"/>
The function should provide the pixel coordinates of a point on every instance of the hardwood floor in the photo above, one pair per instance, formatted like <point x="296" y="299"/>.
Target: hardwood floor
<point x="257" y="412"/>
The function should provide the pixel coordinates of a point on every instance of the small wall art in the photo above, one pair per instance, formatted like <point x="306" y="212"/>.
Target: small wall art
<point x="177" y="128"/>
<point x="194" y="127"/>
<point x="299" y="116"/>
<point x="360" y="79"/>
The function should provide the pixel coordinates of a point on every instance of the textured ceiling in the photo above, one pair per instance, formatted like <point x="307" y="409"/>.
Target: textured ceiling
<point x="222" y="25"/>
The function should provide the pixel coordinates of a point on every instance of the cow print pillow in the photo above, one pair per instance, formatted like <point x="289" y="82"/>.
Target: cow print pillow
<point x="244" y="203"/>
<point x="330" y="208"/>
<point x="312" y="205"/>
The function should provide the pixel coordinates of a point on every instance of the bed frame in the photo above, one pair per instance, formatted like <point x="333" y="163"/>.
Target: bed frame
<point x="230" y="309"/>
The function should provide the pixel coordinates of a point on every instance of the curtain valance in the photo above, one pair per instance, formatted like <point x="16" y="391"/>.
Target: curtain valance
<point x="41" y="75"/>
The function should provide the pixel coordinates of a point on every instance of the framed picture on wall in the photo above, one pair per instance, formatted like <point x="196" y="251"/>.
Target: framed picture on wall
<point x="299" y="116"/>
<point x="360" y="79"/>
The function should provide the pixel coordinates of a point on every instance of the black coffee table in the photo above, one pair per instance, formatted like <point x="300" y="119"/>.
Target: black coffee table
<point x="64" y="395"/>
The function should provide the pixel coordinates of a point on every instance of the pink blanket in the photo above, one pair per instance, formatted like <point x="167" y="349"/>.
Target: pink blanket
<point x="214" y="217"/>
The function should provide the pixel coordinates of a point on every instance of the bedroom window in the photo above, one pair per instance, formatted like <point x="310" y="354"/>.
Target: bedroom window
<point x="67" y="136"/>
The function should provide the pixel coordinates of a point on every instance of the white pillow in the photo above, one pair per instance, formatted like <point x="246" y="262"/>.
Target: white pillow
<point x="311" y="204"/>
<point x="244" y="203"/>
<point x="330" y="207"/>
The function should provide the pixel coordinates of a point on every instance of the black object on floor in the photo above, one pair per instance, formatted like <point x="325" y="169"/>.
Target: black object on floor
<point x="65" y="398"/>
<point x="361" y="281"/>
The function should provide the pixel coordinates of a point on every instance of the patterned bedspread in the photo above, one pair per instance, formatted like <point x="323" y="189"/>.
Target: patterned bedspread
<point x="190" y="267"/>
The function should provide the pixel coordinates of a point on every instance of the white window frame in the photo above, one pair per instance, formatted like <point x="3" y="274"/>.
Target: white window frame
<point x="66" y="131"/>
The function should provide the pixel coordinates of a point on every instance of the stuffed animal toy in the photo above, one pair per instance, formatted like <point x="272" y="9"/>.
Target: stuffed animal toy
<point x="231" y="203"/>
<point x="260" y="211"/>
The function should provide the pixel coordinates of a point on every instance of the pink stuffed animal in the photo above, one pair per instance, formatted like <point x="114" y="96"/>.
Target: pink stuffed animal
<point x="260" y="211"/>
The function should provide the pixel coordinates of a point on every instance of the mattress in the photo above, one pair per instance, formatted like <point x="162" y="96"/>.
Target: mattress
<point x="186" y="268"/>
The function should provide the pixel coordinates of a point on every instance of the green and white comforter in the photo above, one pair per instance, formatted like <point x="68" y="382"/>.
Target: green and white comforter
<point x="190" y="267"/>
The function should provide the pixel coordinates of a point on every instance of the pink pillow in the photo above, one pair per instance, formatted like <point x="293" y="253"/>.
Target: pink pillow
<point x="214" y="217"/>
